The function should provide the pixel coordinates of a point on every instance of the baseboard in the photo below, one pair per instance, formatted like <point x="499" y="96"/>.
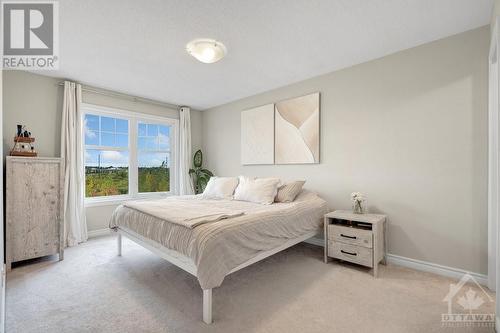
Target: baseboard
<point x="424" y="266"/>
<point x="98" y="233"/>
<point x="430" y="267"/>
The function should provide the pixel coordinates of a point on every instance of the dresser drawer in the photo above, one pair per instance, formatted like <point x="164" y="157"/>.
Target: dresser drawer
<point x="352" y="236"/>
<point x="356" y="254"/>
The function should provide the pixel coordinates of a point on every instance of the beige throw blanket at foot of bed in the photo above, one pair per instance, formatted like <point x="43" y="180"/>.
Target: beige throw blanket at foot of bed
<point x="187" y="212"/>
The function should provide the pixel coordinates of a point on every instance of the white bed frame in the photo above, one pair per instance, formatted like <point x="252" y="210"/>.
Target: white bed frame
<point x="188" y="265"/>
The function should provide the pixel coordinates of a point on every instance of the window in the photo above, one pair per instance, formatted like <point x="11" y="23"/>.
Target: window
<point x="153" y="152"/>
<point x="106" y="156"/>
<point x="127" y="155"/>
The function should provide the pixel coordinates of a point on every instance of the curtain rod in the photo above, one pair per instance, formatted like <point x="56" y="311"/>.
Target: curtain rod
<point x="110" y="93"/>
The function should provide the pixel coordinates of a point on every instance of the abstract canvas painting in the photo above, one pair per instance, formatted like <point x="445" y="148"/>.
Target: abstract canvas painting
<point x="257" y="135"/>
<point x="297" y="130"/>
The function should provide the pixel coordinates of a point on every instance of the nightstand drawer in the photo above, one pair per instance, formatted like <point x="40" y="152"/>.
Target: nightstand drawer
<point x="349" y="235"/>
<point x="356" y="254"/>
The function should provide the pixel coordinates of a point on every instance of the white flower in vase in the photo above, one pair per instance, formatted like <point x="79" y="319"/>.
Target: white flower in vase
<point x="358" y="201"/>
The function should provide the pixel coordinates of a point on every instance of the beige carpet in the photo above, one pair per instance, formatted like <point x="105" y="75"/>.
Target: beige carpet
<point x="93" y="290"/>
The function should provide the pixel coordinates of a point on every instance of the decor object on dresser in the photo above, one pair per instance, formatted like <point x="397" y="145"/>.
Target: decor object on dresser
<point x="297" y="130"/>
<point x="257" y="135"/>
<point x="358" y="203"/>
<point x="357" y="238"/>
<point x="34" y="208"/>
<point x="200" y="175"/>
<point x="23" y="143"/>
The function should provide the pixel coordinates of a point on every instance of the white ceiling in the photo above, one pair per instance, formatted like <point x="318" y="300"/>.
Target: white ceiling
<point x="138" y="47"/>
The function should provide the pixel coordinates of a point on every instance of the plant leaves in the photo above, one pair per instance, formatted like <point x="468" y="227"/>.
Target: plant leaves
<point x="198" y="159"/>
<point x="207" y="172"/>
<point x="200" y="175"/>
<point x="203" y="177"/>
<point x="202" y="184"/>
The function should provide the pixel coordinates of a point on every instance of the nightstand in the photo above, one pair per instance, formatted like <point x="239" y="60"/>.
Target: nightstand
<point x="357" y="238"/>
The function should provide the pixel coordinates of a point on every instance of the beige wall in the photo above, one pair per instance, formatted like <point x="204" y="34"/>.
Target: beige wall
<point x="409" y="130"/>
<point x="35" y="101"/>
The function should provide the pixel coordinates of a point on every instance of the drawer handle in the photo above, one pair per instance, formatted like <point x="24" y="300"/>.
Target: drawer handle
<point x="349" y="253"/>
<point x="351" y="237"/>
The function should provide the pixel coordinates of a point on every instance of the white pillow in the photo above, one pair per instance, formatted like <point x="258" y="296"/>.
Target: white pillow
<point x="220" y="188"/>
<point x="259" y="190"/>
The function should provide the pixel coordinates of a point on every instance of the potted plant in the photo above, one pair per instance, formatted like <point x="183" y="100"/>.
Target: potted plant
<point x="200" y="175"/>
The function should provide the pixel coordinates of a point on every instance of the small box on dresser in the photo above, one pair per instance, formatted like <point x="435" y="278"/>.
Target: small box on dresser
<point x="34" y="208"/>
<point x="357" y="238"/>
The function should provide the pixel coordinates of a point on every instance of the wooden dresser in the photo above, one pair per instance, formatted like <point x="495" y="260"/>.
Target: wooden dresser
<point x="357" y="238"/>
<point x="34" y="208"/>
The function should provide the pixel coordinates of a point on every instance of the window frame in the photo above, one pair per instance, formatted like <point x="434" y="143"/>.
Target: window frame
<point x="133" y="118"/>
<point x="137" y="151"/>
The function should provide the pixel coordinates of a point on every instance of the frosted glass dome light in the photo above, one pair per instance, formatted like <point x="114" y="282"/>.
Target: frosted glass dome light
<point x="206" y="50"/>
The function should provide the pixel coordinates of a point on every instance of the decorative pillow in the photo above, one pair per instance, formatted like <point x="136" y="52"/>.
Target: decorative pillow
<point x="220" y="188"/>
<point x="259" y="190"/>
<point x="289" y="191"/>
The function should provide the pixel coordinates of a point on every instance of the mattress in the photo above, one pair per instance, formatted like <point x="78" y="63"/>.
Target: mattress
<point x="218" y="247"/>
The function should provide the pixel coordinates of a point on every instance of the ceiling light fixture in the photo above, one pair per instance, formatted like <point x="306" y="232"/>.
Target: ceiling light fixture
<point x="206" y="50"/>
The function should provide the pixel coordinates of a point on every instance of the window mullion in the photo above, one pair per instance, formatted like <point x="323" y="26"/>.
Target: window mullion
<point x="133" y="162"/>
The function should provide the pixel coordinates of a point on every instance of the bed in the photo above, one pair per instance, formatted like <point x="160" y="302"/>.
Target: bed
<point x="212" y="250"/>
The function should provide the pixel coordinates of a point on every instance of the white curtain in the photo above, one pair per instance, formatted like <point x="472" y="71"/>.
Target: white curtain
<point x="75" y="225"/>
<point x="185" y="184"/>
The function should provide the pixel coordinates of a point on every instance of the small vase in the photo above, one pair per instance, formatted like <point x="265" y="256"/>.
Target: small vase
<point x="358" y="207"/>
